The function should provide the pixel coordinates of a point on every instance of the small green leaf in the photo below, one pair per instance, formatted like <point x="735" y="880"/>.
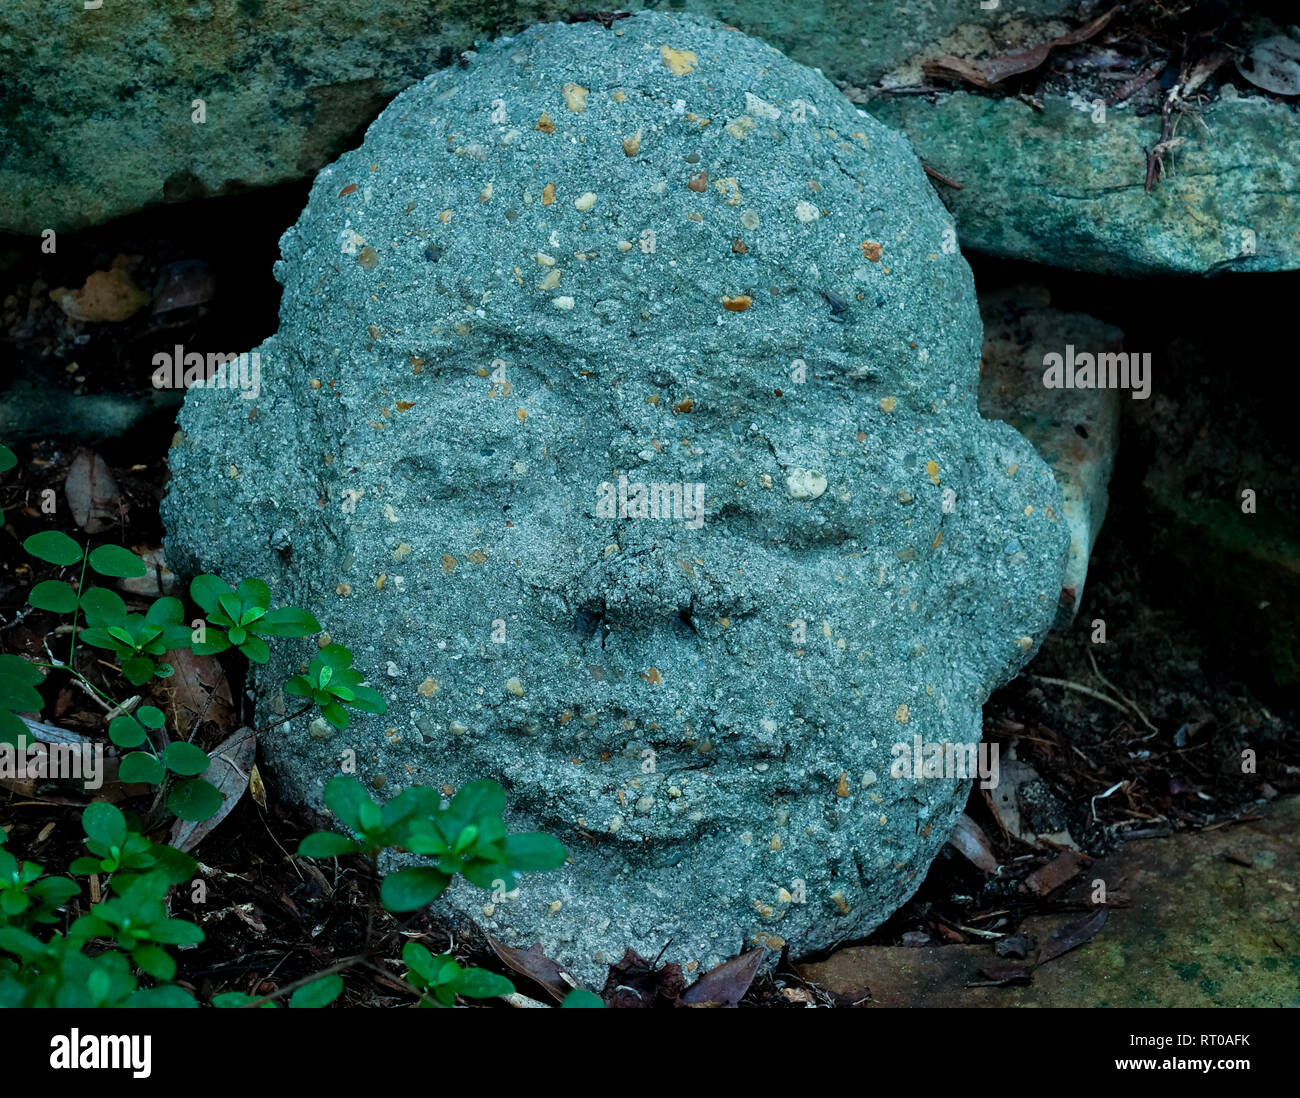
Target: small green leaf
<point x="138" y="669"/>
<point x="105" y="822"/>
<point x="99" y="638"/>
<point x="318" y="993"/>
<point x="166" y="611"/>
<point x="465" y="839"/>
<point x="195" y="800"/>
<point x="255" y="648"/>
<point x="18" y="668"/>
<point x="164" y="997"/>
<point x="217" y="641"/>
<point x="253" y="593"/>
<point x="154" y="961"/>
<point x="176" y="932"/>
<point x="54" y="547"/>
<point x="102" y="607"/>
<point x="231" y="999"/>
<point x="229" y="605"/>
<point x="151" y="716"/>
<point x="205" y="590"/>
<point x="344" y="796"/>
<point x="336" y="656"/>
<point x="289" y="621"/>
<point x="113" y="560"/>
<point x="477" y="799"/>
<point x="581" y="998"/>
<point x="411" y="889"/>
<point x="11" y="728"/>
<point x="187" y="760"/>
<point x="336" y="715"/>
<point x="368" y="700"/>
<point x="53" y="595"/>
<point x="479" y="983"/>
<point x="419" y="960"/>
<point x="140" y="766"/>
<point x="19" y="696"/>
<point x="326" y="844"/>
<point x="534" y="850"/>
<point x="126" y="732"/>
<point x="370" y="815"/>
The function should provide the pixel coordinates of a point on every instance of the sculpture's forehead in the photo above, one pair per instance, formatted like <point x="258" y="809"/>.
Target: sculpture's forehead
<point x="675" y="196"/>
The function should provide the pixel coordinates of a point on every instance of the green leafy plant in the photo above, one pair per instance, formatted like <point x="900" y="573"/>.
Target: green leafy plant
<point x="137" y="922"/>
<point x="27" y="896"/>
<point x="115" y="844"/>
<point x="466" y="837"/>
<point x="18" y="694"/>
<point x="101" y="959"/>
<point x="241" y="619"/>
<point x="138" y="640"/>
<point x="191" y="799"/>
<point x="332" y="683"/>
<point x="441" y="978"/>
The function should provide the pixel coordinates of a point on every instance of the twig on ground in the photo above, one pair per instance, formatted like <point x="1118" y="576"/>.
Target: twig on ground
<point x="1119" y="694"/>
<point x="1080" y="688"/>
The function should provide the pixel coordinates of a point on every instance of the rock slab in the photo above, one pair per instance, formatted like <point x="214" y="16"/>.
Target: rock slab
<point x="591" y="259"/>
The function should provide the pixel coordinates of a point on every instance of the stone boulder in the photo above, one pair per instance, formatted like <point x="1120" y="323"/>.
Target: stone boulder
<point x="623" y="421"/>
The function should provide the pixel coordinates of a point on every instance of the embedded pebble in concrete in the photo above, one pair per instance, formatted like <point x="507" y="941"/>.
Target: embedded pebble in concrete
<point x="684" y="508"/>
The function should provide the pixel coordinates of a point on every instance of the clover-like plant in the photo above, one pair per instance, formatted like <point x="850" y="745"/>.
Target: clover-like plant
<point x="192" y="799"/>
<point x="138" y="640"/>
<point x="136" y="921"/>
<point x="116" y="847"/>
<point x="467" y="837"/>
<point x="440" y="978"/>
<point x="26" y="895"/>
<point x="242" y="618"/>
<point x="332" y="683"/>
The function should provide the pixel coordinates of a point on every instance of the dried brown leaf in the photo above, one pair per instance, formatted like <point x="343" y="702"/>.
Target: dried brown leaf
<point x="969" y="840"/>
<point x="725" y="985"/>
<point x="93" y="495"/>
<point x="533" y="963"/>
<point x="232" y="762"/>
<point x="987" y="74"/>
<point x="1071" y="936"/>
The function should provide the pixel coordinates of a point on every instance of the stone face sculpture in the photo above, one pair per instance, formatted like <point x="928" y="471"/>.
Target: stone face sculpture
<point x="622" y="420"/>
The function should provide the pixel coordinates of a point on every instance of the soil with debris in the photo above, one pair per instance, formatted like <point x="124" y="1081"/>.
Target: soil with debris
<point x="1135" y="53"/>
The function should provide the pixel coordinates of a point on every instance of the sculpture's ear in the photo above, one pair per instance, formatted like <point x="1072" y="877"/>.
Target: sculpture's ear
<point x="1024" y="548"/>
<point x="222" y="514"/>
